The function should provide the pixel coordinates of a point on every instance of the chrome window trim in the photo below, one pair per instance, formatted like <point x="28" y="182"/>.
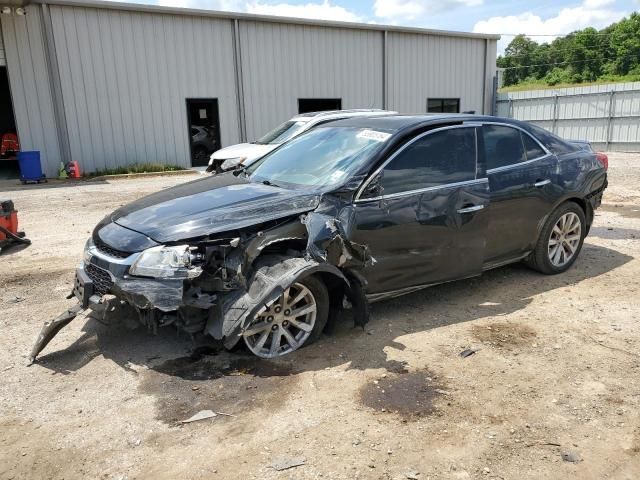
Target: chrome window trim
<point x="515" y="165"/>
<point x="423" y="190"/>
<point x="473" y="125"/>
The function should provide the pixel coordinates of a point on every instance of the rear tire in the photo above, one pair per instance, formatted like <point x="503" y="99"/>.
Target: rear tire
<point x="560" y="240"/>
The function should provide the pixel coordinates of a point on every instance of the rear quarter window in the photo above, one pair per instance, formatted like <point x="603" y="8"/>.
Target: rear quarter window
<point x="554" y="143"/>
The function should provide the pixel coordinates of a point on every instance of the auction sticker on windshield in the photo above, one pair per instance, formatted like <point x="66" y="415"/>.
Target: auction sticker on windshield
<point x="374" y="135"/>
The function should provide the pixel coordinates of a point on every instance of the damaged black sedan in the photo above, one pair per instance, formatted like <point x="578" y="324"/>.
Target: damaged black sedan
<point x="351" y="212"/>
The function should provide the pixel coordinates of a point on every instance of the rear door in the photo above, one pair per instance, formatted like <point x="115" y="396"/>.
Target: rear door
<point x="423" y="214"/>
<point x="523" y="186"/>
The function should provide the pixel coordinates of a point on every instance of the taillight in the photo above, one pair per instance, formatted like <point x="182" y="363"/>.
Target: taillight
<point x="603" y="159"/>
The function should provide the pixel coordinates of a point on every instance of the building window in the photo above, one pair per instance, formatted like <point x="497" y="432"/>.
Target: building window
<point x="306" y="105"/>
<point x="443" y="105"/>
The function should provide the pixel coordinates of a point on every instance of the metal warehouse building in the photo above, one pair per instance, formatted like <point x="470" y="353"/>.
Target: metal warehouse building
<point x="108" y="84"/>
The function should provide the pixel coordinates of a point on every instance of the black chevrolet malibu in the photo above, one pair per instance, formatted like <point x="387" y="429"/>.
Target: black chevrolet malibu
<point x="351" y="212"/>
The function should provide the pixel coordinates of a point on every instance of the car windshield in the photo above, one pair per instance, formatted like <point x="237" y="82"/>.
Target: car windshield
<point x="322" y="157"/>
<point x="281" y="133"/>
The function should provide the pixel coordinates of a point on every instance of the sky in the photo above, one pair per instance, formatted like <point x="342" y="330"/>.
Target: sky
<point x="541" y="17"/>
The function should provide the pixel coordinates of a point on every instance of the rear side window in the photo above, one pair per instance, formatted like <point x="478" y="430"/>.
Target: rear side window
<point x="444" y="157"/>
<point x="552" y="142"/>
<point x="532" y="149"/>
<point x="502" y="146"/>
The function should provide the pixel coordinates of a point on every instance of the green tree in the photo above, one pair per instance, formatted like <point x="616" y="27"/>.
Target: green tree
<point x="612" y="53"/>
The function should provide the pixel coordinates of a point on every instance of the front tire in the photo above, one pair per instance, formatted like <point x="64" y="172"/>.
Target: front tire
<point x="560" y="240"/>
<point x="295" y="320"/>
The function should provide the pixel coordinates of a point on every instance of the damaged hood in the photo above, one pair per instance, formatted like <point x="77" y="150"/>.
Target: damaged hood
<point x="211" y="205"/>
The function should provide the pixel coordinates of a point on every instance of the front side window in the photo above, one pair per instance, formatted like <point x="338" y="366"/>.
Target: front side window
<point x="281" y="133"/>
<point x="321" y="157"/>
<point x="502" y="146"/>
<point x="439" y="158"/>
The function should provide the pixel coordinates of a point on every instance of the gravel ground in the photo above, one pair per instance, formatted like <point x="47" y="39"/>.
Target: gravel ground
<point x="552" y="392"/>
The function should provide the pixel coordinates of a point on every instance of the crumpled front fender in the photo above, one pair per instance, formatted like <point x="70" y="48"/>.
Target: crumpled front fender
<point x="272" y="275"/>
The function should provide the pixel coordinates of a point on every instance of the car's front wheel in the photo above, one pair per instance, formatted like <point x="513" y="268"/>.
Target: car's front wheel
<point x="560" y="240"/>
<point x="294" y="320"/>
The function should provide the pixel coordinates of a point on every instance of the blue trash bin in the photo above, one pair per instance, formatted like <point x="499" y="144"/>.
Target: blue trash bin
<point x="30" y="168"/>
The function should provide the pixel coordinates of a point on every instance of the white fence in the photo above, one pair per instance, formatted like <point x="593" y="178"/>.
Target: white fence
<point x="606" y="115"/>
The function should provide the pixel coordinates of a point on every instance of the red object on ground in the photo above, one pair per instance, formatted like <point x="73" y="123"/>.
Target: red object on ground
<point x="8" y="218"/>
<point x="73" y="169"/>
<point x="9" y="144"/>
<point x="603" y="159"/>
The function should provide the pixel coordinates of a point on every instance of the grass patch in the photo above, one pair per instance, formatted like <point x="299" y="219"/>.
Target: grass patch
<point x="137" y="168"/>
<point x="542" y="85"/>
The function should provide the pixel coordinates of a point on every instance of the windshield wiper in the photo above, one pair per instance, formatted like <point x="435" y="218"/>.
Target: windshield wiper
<point x="267" y="182"/>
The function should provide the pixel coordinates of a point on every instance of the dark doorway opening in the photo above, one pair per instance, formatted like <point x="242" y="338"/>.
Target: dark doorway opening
<point x="204" y="129"/>
<point x="8" y="134"/>
<point x="307" y="105"/>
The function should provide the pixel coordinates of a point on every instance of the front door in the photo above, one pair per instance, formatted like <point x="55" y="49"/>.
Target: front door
<point x="424" y="215"/>
<point x="204" y="129"/>
<point x="523" y="191"/>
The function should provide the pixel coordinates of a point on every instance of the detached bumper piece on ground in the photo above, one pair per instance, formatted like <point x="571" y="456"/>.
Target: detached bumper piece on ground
<point x="347" y="213"/>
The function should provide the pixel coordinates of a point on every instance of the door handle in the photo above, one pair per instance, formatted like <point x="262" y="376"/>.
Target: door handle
<point x="541" y="183"/>
<point x="473" y="208"/>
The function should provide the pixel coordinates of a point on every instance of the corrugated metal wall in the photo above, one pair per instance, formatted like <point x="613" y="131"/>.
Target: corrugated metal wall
<point x="429" y="66"/>
<point x="30" y="86"/>
<point x="126" y="76"/>
<point x="606" y="115"/>
<point x="120" y="77"/>
<point x="3" y="60"/>
<point x="284" y="62"/>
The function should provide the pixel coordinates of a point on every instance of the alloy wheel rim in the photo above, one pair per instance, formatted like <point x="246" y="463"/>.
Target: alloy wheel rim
<point x="283" y="326"/>
<point x="564" y="239"/>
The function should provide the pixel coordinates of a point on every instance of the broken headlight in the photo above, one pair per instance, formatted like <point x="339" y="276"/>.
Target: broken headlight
<point x="166" y="262"/>
<point x="230" y="163"/>
<point x="86" y="254"/>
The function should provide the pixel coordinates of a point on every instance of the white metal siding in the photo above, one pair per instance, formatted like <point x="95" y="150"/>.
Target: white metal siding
<point x="122" y="74"/>
<point x="430" y="66"/>
<point x="126" y="77"/>
<point x="283" y="62"/>
<point x="30" y="86"/>
<point x="3" y="60"/>
<point x="582" y="113"/>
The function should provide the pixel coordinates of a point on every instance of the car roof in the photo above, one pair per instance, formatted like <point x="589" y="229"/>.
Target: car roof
<point x="396" y="123"/>
<point x="355" y="112"/>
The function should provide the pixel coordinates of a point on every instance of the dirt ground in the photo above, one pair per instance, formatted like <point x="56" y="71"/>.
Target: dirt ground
<point x="557" y="371"/>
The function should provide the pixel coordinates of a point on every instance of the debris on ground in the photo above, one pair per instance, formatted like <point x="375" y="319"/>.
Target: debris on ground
<point x="468" y="352"/>
<point x="569" y="456"/>
<point x="201" y="415"/>
<point x="412" y="475"/>
<point x="285" y="463"/>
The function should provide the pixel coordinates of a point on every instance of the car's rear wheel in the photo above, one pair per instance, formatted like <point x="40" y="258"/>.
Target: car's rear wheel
<point x="293" y="321"/>
<point x="560" y="241"/>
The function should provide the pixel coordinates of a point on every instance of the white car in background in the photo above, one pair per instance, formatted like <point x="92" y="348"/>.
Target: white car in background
<point x="245" y="154"/>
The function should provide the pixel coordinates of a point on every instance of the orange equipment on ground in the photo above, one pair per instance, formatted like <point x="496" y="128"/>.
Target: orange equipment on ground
<point x="73" y="169"/>
<point x="9" y="225"/>
<point x="9" y="145"/>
